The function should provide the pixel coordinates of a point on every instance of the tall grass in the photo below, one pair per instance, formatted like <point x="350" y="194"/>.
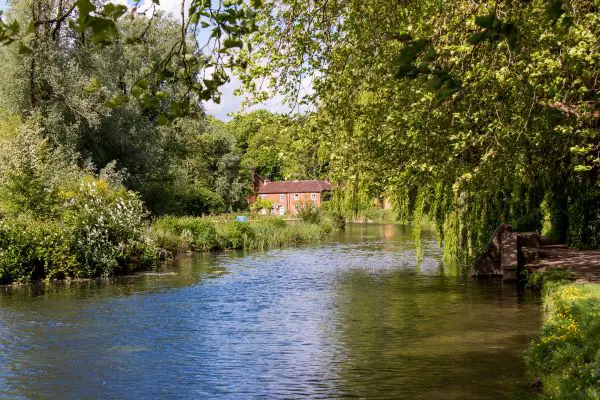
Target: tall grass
<point x="566" y="356"/>
<point x="180" y="234"/>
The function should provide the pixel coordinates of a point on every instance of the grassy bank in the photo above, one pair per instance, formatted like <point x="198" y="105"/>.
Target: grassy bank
<point x="181" y="234"/>
<point x="565" y="359"/>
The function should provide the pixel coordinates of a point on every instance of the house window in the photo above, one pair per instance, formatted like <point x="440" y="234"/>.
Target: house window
<point x="263" y="196"/>
<point x="296" y="196"/>
<point x="282" y="196"/>
<point x="313" y="196"/>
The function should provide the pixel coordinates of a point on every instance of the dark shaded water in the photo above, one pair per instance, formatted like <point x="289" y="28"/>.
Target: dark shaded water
<point x="354" y="318"/>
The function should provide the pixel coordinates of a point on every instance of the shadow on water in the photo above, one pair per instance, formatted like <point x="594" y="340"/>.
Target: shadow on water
<point x="352" y="318"/>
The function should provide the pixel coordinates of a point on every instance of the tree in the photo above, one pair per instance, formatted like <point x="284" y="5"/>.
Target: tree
<point x="30" y="27"/>
<point x="485" y="110"/>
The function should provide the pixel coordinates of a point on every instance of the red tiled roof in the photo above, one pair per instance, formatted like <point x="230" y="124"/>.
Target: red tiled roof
<point x="313" y="186"/>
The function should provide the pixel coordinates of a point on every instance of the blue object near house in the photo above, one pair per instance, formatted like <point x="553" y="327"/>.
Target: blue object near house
<point x="241" y="218"/>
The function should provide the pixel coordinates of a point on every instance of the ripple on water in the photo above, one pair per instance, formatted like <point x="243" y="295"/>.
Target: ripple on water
<point x="358" y="317"/>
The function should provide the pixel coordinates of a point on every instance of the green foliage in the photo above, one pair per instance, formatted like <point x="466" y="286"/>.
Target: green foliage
<point x="546" y="280"/>
<point x="261" y="205"/>
<point x="584" y="218"/>
<point x="104" y="25"/>
<point x="279" y="147"/>
<point x="99" y="233"/>
<point x="206" y="234"/>
<point x="59" y="221"/>
<point x="491" y="106"/>
<point x="199" y="233"/>
<point x="565" y="357"/>
<point x="308" y="212"/>
<point x="236" y="235"/>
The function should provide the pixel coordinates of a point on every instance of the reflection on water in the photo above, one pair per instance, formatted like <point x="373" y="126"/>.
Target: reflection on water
<point x="354" y="318"/>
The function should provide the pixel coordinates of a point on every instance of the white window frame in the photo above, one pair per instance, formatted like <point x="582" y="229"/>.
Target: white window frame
<point x="282" y="196"/>
<point x="296" y="197"/>
<point x="313" y="196"/>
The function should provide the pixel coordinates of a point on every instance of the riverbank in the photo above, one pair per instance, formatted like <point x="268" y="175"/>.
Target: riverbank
<point x="349" y="317"/>
<point x="113" y="240"/>
<point x="564" y="361"/>
<point x="176" y="235"/>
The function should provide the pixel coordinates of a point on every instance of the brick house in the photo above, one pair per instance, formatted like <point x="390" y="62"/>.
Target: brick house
<point x="288" y="195"/>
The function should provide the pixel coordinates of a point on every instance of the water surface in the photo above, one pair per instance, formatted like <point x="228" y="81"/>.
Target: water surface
<point x="356" y="318"/>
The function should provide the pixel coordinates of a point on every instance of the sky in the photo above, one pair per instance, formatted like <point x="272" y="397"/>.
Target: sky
<point x="230" y="103"/>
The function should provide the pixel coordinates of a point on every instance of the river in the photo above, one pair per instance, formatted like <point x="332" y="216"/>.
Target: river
<point x="354" y="318"/>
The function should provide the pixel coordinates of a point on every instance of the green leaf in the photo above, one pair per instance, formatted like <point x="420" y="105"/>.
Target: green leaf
<point x="162" y="120"/>
<point x="85" y="7"/>
<point x="136" y="91"/>
<point x="117" y="101"/>
<point x="104" y="31"/>
<point x="477" y="37"/>
<point x="93" y="86"/>
<point x="114" y="11"/>
<point x="24" y="49"/>
<point x="486" y="21"/>
<point x="143" y="83"/>
<point x="582" y="168"/>
<point x="232" y="42"/>
<point x="149" y="101"/>
<point x="175" y="109"/>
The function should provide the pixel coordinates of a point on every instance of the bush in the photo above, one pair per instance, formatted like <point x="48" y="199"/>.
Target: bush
<point x="109" y="230"/>
<point x="308" y="212"/>
<point x="259" y="205"/>
<point x="61" y="221"/>
<point x="566" y="357"/>
<point x="31" y="249"/>
<point x="100" y="233"/>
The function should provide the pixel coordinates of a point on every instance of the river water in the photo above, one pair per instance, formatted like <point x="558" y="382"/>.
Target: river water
<point x="355" y="318"/>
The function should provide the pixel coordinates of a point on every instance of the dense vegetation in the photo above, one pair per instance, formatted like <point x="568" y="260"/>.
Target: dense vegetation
<point x="181" y="234"/>
<point x="470" y="114"/>
<point x="565" y="356"/>
<point x="475" y="113"/>
<point x="102" y="129"/>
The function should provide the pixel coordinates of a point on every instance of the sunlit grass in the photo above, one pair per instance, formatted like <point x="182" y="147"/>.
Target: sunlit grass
<point x="566" y="356"/>
<point x="180" y="234"/>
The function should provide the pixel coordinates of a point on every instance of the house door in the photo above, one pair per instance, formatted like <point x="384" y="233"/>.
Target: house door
<point x="281" y="210"/>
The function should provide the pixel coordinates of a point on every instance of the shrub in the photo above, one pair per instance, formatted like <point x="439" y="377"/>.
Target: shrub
<point x="566" y="357"/>
<point x="109" y="230"/>
<point x="100" y="232"/>
<point x="31" y="249"/>
<point x="308" y="212"/>
<point x="261" y="205"/>
<point x="169" y="241"/>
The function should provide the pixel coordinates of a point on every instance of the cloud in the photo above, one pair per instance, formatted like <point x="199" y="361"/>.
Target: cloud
<point x="171" y="8"/>
<point x="230" y="103"/>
